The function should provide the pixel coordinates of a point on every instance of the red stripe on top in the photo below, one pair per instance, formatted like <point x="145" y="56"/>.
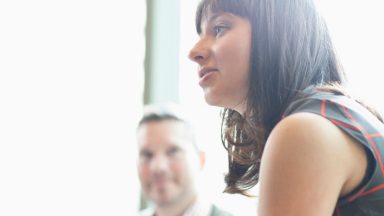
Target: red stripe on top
<point x="369" y="139"/>
<point x="324" y="114"/>
<point x="344" y="124"/>
<point x="372" y="143"/>
<point x="372" y="190"/>
<point x="347" y="113"/>
<point x="323" y="108"/>
<point x="373" y="135"/>
<point x="358" y="194"/>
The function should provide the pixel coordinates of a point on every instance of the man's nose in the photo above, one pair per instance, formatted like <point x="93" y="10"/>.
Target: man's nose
<point x="159" y="164"/>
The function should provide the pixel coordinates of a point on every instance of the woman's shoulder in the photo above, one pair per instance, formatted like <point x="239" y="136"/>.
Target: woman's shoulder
<point x="315" y="136"/>
<point x="307" y="137"/>
<point x="308" y="156"/>
<point x="307" y="129"/>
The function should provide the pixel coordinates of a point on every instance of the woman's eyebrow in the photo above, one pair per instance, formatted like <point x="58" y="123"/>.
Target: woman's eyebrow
<point x="213" y="17"/>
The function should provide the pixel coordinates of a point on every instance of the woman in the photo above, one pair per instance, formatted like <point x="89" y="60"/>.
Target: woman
<point x="287" y="123"/>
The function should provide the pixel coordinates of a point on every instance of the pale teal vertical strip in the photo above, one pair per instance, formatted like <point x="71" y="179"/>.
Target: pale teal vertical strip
<point x="161" y="55"/>
<point x="162" y="51"/>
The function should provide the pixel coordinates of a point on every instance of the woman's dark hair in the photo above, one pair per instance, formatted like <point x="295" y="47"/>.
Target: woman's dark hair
<point x="291" y="50"/>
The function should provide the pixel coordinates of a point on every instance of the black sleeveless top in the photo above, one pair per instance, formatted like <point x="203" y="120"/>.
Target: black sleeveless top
<point x="363" y="126"/>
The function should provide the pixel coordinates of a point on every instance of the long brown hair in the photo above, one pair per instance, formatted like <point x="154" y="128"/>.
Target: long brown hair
<point x="291" y="50"/>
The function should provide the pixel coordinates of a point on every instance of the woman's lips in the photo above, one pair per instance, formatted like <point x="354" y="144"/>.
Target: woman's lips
<point x="204" y="74"/>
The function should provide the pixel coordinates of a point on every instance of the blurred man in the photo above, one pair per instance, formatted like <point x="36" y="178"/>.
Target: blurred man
<point x="168" y="166"/>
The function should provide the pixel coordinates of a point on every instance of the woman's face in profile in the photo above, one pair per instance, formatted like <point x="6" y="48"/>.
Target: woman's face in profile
<point x="223" y="55"/>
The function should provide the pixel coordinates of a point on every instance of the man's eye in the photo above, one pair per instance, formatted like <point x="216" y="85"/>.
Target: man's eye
<point x="146" y="155"/>
<point x="173" y="151"/>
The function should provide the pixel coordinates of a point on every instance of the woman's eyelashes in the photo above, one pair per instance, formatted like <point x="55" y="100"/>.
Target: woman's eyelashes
<point x="220" y="29"/>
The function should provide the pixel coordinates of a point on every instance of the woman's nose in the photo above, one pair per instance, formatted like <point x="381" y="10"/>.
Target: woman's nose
<point x="200" y="52"/>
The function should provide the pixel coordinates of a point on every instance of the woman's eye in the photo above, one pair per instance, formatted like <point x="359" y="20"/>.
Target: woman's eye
<point x="219" y="29"/>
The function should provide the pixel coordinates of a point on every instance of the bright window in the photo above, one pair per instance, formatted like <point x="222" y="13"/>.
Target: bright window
<point x="71" y="86"/>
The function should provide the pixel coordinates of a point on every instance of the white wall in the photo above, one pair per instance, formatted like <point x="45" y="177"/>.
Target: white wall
<point x="71" y="80"/>
<point x="358" y="32"/>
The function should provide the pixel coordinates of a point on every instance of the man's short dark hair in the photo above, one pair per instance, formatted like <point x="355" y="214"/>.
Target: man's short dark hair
<point x="158" y="113"/>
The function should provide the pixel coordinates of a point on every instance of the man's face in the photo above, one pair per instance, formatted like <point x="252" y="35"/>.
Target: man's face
<point x="168" y="162"/>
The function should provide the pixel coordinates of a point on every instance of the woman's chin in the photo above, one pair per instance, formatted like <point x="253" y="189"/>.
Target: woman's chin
<point x="213" y="101"/>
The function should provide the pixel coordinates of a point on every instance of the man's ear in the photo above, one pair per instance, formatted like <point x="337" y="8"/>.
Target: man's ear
<point x="202" y="159"/>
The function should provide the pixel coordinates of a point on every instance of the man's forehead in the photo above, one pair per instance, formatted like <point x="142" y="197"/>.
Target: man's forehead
<point x="163" y="128"/>
<point x="164" y="134"/>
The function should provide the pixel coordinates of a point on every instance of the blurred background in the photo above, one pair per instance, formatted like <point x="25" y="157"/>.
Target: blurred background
<point x="75" y="75"/>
